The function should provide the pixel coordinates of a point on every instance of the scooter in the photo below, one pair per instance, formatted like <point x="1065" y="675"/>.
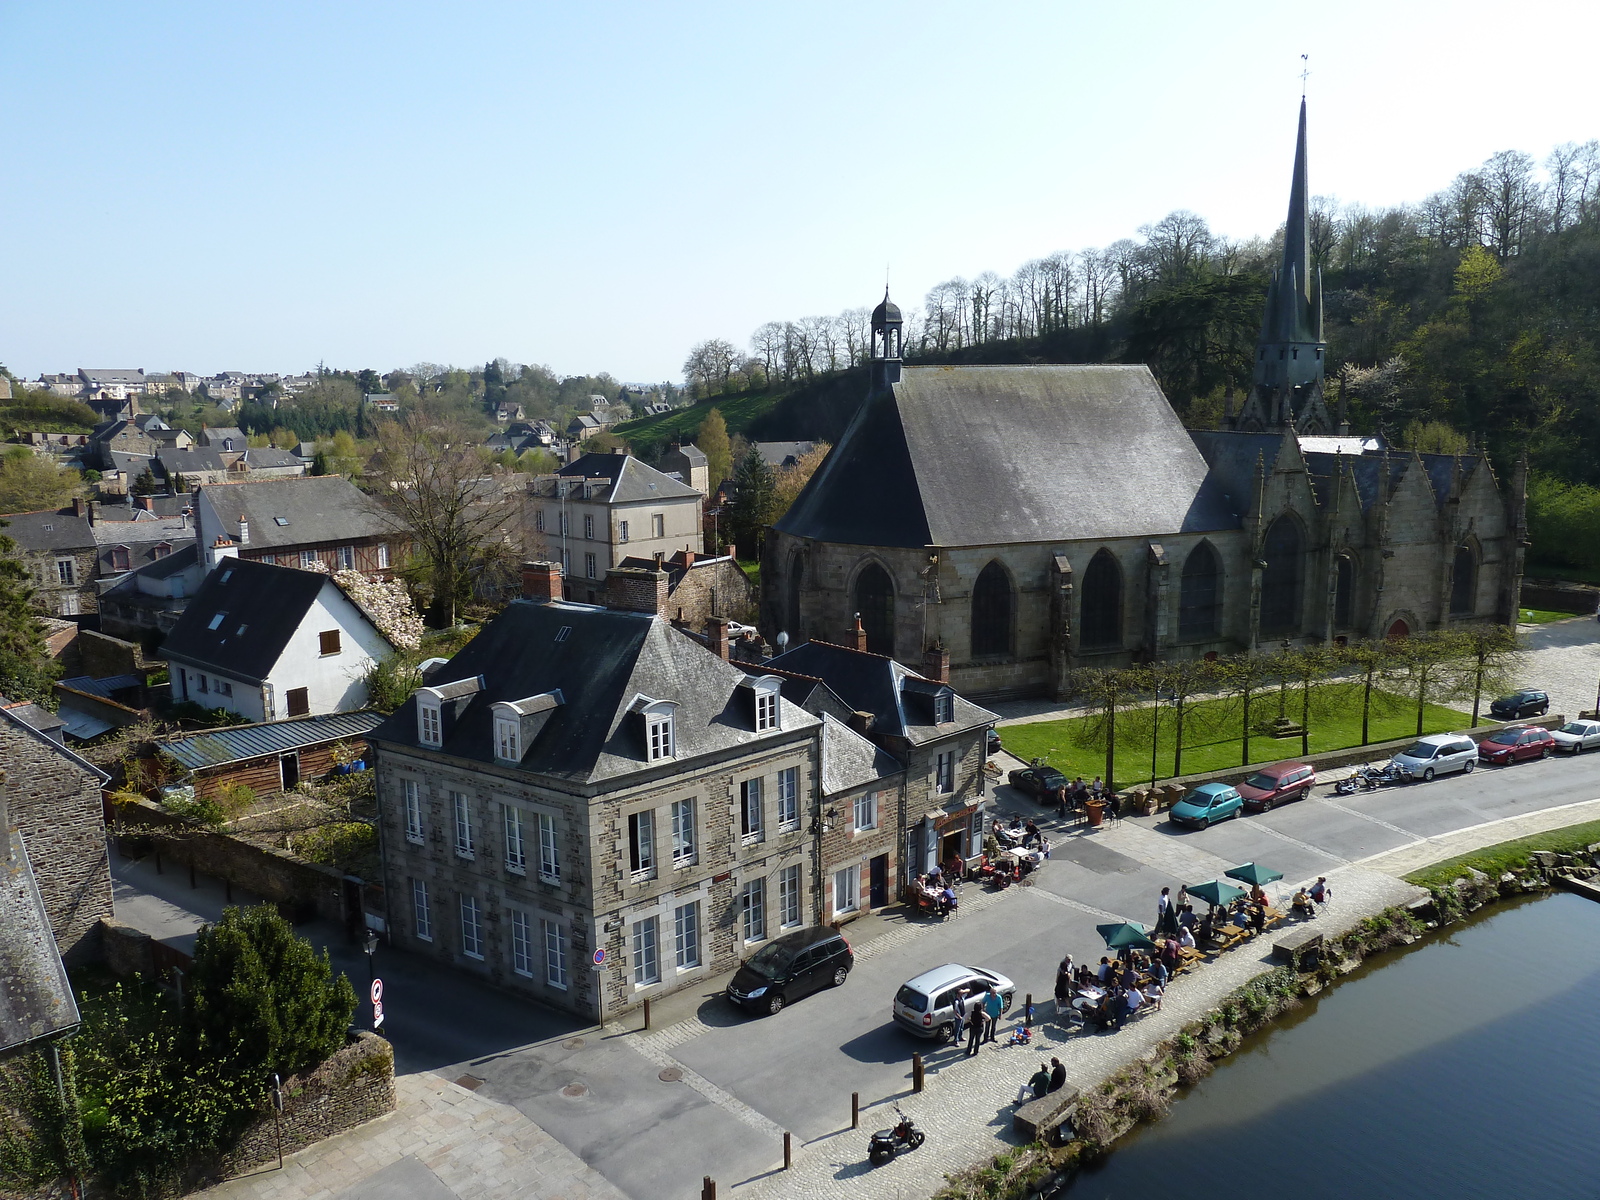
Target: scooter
<point x="887" y="1143"/>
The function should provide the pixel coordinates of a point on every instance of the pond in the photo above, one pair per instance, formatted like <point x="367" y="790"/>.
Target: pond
<point x="1465" y="1066"/>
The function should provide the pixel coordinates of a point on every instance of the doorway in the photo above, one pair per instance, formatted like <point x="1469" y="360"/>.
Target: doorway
<point x="289" y="766"/>
<point x="950" y="846"/>
<point x="878" y="881"/>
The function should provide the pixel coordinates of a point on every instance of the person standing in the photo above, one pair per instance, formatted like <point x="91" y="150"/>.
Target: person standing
<point x="1164" y="913"/>
<point x="974" y="1030"/>
<point x="993" y="1006"/>
<point x="958" y="1017"/>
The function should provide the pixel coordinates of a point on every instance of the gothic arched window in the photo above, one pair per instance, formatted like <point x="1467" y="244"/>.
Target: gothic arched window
<point x="1344" y="589"/>
<point x="1464" y="583"/>
<point x="1281" y="579"/>
<point x="791" y="616"/>
<point x="874" y="597"/>
<point x="1101" y="623"/>
<point x="1200" y="593"/>
<point x="991" y="612"/>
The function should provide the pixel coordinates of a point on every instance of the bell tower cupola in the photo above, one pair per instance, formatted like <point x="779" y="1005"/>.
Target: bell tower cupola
<point x="886" y="346"/>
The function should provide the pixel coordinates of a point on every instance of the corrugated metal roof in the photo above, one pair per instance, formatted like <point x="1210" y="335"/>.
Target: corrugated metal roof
<point x="217" y="747"/>
<point x="102" y="687"/>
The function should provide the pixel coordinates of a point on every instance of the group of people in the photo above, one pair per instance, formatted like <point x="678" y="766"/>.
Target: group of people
<point x="1072" y="797"/>
<point x="937" y="888"/>
<point x="1108" y="994"/>
<point x="1308" y="900"/>
<point x="1050" y="1077"/>
<point x="977" y="1013"/>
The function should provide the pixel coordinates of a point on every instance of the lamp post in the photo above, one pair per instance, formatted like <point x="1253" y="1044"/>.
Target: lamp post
<point x="370" y="945"/>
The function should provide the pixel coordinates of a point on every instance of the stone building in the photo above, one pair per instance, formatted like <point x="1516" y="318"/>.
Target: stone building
<point x="1026" y="520"/>
<point x="59" y="550"/>
<point x="298" y="522"/>
<point x="52" y="798"/>
<point x="582" y="785"/>
<point x="689" y="463"/>
<point x="702" y="586"/>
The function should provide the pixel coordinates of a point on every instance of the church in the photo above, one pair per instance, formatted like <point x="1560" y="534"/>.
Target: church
<point x="998" y="526"/>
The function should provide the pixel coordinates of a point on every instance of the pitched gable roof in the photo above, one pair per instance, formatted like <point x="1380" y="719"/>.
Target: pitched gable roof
<point x="975" y="456"/>
<point x="260" y="607"/>
<point x="850" y="760"/>
<point x="54" y="529"/>
<point x="322" y="508"/>
<point x="631" y="480"/>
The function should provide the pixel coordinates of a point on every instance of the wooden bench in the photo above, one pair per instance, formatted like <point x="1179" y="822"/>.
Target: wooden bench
<point x="1036" y="1120"/>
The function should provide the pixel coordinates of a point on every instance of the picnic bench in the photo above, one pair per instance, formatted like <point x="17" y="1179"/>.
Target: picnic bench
<point x="1036" y="1120"/>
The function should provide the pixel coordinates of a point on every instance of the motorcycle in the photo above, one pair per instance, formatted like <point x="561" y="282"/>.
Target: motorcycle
<point x="1369" y="778"/>
<point x="887" y="1143"/>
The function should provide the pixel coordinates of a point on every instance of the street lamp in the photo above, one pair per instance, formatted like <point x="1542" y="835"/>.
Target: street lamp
<point x="371" y="948"/>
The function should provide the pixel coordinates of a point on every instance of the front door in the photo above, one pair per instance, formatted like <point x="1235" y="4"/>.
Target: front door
<point x="290" y="764"/>
<point x="950" y="846"/>
<point x="878" y="881"/>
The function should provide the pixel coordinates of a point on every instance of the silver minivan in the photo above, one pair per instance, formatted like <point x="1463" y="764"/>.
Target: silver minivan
<point x="926" y="1005"/>
<point x="1436" y="754"/>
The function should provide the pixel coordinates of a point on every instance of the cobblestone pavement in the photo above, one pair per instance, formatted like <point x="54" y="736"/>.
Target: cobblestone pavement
<point x="441" y="1143"/>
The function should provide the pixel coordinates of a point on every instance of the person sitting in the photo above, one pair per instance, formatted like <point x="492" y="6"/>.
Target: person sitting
<point x="1159" y="973"/>
<point x="1030" y="832"/>
<point x="1208" y="926"/>
<point x="1320" y="891"/>
<point x="1186" y="917"/>
<point x="1086" y="976"/>
<point x="1258" y="917"/>
<point x="1130" y="974"/>
<point x="1186" y="939"/>
<point x="1302" y="904"/>
<point x="1257" y="896"/>
<point x="1103" y="972"/>
<point x="1134" y="999"/>
<point x="948" y="901"/>
<point x="1153" y="991"/>
<point x="1058" y="1075"/>
<point x="1096" y="789"/>
<point x="1038" y="1084"/>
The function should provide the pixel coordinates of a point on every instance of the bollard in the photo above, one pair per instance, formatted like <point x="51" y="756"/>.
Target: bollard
<point x="708" y="1189"/>
<point x="788" y="1153"/>
<point x="916" y="1072"/>
<point x="855" y="1110"/>
<point x="1027" y="1011"/>
<point x="647" y="1012"/>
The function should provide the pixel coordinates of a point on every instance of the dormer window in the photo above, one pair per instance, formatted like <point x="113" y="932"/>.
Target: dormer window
<point x="658" y="736"/>
<point x="429" y="724"/>
<point x="763" y="690"/>
<point x="507" y="740"/>
<point x="944" y="708"/>
<point x="766" y="711"/>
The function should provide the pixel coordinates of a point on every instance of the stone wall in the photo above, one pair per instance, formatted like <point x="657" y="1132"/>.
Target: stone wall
<point x="54" y="799"/>
<point x="102" y="656"/>
<point x="711" y="589"/>
<point x="302" y="888"/>
<point x="354" y="1086"/>
<point x="1557" y="596"/>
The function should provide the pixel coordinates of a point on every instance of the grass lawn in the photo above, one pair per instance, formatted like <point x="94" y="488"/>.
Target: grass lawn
<point x="752" y="570"/>
<point x="1212" y="730"/>
<point x="1543" y="616"/>
<point x="1494" y="861"/>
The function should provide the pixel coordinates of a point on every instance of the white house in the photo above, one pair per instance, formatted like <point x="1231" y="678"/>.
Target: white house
<point x="269" y="642"/>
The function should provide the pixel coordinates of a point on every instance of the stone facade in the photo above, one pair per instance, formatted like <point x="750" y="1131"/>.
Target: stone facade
<point x="53" y="798"/>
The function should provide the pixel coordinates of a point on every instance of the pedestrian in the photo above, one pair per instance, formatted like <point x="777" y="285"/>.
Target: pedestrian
<point x="1164" y="913"/>
<point x="993" y="1006"/>
<point x="974" y="1031"/>
<point x="1061" y="802"/>
<point x="1058" y="1075"/>
<point x="958" y="1017"/>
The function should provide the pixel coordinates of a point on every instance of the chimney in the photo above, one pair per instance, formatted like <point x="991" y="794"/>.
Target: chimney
<point x="936" y="663"/>
<point x="541" y="581"/>
<point x="661" y="557"/>
<point x="94" y="512"/>
<point x="861" y="722"/>
<point x="688" y="559"/>
<point x="731" y="551"/>
<point x="145" y="502"/>
<point x="717" y="636"/>
<point x="636" y="589"/>
<point x="222" y="548"/>
<point x="858" y="636"/>
<point x="80" y="506"/>
<point x="244" y="532"/>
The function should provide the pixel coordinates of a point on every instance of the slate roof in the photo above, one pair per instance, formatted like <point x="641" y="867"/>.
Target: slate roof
<point x="850" y="760"/>
<point x="783" y="454"/>
<point x="631" y="480"/>
<point x="605" y="661"/>
<point x="236" y="743"/>
<point x="35" y="998"/>
<point x="133" y="464"/>
<point x="215" y="437"/>
<point x="190" y="458"/>
<point x="886" y="689"/>
<point x="158" y="529"/>
<point x="92" y="375"/>
<point x="262" y="606"/>
<point x="1232" y="458"/>
<point x="322" y="508"/>
<point x="160" y="506"/>
<point x="978" y="456"/>
<point x="56" y="529"/>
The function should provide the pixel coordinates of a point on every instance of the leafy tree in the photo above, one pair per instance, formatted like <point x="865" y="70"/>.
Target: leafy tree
<point x="29" y="483"/>
<point x="756" y="502"/>
<point x="260" y="1000"/>
<point x="1106" y="692"/>
<point x="1426" y="658"/>
<point x="1243" y="677"/>
<point x="26" y="672"/>
<point x="713" y="442"/>
<point x="1488" y="655"/>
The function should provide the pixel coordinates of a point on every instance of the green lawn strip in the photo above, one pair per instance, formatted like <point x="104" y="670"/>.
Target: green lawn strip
<point x="1494" y="861"/>
<point x="1211" y="736"/>
<point x="683" y="423"/>
<point x="1543" y="616"/>
<point x="752" y="570"/>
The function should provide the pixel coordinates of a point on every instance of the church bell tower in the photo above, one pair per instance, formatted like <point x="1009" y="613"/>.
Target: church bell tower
<point x="885" y="344"/>
<point x="1286" y="390"/>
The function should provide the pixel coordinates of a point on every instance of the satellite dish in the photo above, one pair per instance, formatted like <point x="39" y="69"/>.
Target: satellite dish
<point x="782" y="641"/>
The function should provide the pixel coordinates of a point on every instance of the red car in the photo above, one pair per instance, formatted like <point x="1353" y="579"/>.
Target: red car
<point x="1516" y="743"/>
<point x="1277" y="784"/>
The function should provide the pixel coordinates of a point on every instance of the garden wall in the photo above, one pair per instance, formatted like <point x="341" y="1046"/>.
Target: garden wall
<point x="354" y="1086"/>
<point x="1555" y="596"/>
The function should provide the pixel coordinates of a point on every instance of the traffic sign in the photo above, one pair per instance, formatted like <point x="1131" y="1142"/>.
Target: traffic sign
<point x="600" y="957"/>
<point x="377" y="1015"/>
<point x="377" y="991"/>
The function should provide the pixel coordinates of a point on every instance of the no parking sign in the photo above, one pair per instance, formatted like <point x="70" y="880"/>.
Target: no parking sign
<point x="377" y="1003"/>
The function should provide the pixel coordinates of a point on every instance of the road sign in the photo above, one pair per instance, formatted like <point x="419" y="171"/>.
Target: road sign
<point x="377" y="1015"/>
<point x="377" y="991"/>
<point x="600" y="957"/>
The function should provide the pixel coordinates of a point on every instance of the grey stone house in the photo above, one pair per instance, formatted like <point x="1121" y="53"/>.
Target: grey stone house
<point x="587" y="805"/>
<point x="58" y="548"/>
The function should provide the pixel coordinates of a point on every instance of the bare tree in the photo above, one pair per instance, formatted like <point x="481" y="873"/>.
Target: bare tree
<point x="767" y="342"/>
<point x="1510" y="197"/>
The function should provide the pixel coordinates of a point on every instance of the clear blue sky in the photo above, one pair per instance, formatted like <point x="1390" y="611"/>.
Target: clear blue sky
<point x="249" y="186"/>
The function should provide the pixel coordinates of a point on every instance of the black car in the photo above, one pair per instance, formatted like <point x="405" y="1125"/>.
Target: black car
<point x="790" y="967"/>
<point x="1039" y="781"/>
<point x="1520" y="705"/>
<point x="992" y="743"/>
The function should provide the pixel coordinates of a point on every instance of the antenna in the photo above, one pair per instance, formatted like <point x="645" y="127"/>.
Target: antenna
<point x="1305" y="72"/>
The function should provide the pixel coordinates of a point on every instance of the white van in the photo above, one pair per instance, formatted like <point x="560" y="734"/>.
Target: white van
<point x="1436" y="754"/>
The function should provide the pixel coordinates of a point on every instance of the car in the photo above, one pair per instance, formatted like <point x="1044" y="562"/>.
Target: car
<point x="925" y="1005"/>
<point x="1516" y="743"/>
<point x="1038" y="781"/>
<point x="1520" y="705"/>
<point x="1577" y="736"/>
<point x="1277" y="784"/>
<point x="992" y="743"/>
<point x="1207" y="804"/>
<point x="789" y="967"/>
<point x="1436" y="754"/>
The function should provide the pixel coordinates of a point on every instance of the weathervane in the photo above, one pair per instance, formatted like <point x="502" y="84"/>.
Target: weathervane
<point x="1305" y="70"/>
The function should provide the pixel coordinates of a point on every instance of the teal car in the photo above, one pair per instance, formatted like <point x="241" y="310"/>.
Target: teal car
<point x="1206" y="804"/>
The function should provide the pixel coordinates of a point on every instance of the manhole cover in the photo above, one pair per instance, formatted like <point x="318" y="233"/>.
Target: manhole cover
<point x="471" y="1082"/>
<point x="574" y="1091"/>
<point x="573" y="1043"/>
<point x="670" y="1075"/>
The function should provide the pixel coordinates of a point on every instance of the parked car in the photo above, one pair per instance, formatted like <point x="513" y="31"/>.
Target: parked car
<point x="1516" y="743"/>
<point x="1037" y="781"/>
<point x="1520" y="705"/>
<point x="1207" y="804"/>
<point x="790" y="967"/>
<point x="1277" y="784"/>
<point x="992" y="743"/>
<point x="1577" y="736"/>
<point x="926" y="1005"/>
<point x="1436" y="754"/>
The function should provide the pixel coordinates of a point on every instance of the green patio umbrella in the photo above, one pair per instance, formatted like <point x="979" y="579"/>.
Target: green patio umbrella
<point x="1124" y="935"/>
<point x="1253" y="874"/>
<point x="1215" y="892"/>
